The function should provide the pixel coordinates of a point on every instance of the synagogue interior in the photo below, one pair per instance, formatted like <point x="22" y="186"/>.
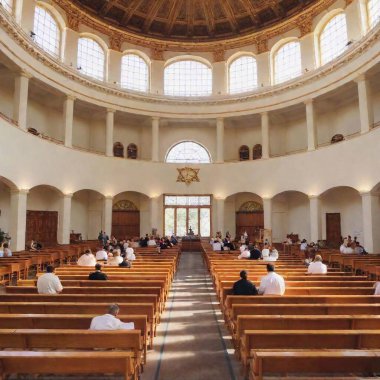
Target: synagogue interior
<point x="216" y="162"/>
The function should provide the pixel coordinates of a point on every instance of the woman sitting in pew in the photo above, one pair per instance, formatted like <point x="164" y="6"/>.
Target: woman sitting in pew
<point x="87" y="259"/>
<point x="317" y="266"/>
<point x="116" y="259"/>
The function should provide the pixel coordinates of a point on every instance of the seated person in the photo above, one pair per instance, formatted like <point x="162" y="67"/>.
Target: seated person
<point x="377" y="288"/>
<point x="273" y="254"/>
<point x="87" y="260"/>
<point x="245" y="254"/>
<point x="359" y="249"/>
<point x="255" y="253"/>
<point x="317" y="266"/>
<point x="272" y="283"/>
<point x="49" y="283"/>
<point x="98" y="274"/>
<point x="303" y="245"/>
<point x="265" y="252"/>
<point x="33" y="246"/>
<point x="217" y="246"/>
<point x="152" y="242"/>
<point x="130" y="254"/>
<point x="7" y="251"/>
<point x="110" y="322"/>
<point x="102" y="254"/>
<point x="116" y="259"/>
<point x="173" y="240"/>
<point x="244" y="287"/>
<point x="345" y="249"/>
<point x="134" y="243"/>
<point x="125" y="263"/>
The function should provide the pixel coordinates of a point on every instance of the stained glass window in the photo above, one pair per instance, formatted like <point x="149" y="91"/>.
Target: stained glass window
<point x="47" y="32"/>
<point x="188" y="151"/>
<point x="188" y="78"/>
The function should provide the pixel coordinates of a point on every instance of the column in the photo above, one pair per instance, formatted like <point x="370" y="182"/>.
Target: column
<point x="109" y="131"/>
<point x="107" y="214"/>
<point x="65" y="220"/>
<point x="265" y="134"/>
<point x="20" y="107"/>
<point x="155" y="138"/>
<point x="368" y="215"/>
<point x="263" y="70"/>
<point x="154" y="219"/>
<point x="157" y="77"/>
<point x="310" y="123"/>
<point x="315" y="219"/>
<point x="18" y="219"/>
<point x="68" y="116"/>
<point x="70" y="51"/>
<point x="220" y="215"/>
<point x="308" y="53"/>
<point x="219" y="78"/>
<point x="267" y="205"/>
<point x="365" y="104"/>
<point x="114" y="67"/>
<point x="220" y="140"/>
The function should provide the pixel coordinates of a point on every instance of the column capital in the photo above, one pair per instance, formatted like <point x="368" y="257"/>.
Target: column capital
<point x="309" y="101"/>
<point x="313" y="197"/>
<point x="264" y="113"/>
<point x="220" y="119"/>
<point x="361" y="78"/>
<point x="25" y="74"/>
<point x="70" y="97"/>
<point x="109" y="197"/>
<point x="68" y="195"/>
<point x="20" y="191"/>
<point x="365" y="193"/>
<point x="155" y="118"/>
<point x="111" y="110"/>
<point x="267" y="198"/>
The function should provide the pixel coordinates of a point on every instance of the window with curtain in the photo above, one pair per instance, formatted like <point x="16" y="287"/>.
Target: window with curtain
<point x="188" y="78"/>
<point x="134" y="73"/>
<point x="373" y="12"/>
<point x="333" y="38"/>
<point x="7" y="5"/>
<point x="287" y="62"/>
<point x="47" y="32"/>
<point x="188" y="151"/>
<point x="242" y="75"/>
<point x="91" y="59"/>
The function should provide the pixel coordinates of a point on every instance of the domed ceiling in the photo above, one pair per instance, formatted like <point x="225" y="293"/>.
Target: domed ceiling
<point x="193" y="20"/>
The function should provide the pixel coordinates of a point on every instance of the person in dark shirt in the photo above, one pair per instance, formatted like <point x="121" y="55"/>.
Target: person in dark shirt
<point x="255" y="253"/>
<point x="125" y="263"/>
<point x="244" y="287"/>
<point x="98" y="274"/>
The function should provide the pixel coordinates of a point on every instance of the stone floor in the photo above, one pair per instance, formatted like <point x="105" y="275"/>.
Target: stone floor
<point x="192" y="342"/>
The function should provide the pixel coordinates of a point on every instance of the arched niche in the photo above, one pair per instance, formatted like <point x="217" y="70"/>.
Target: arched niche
<point x="243" y="212"/>
<point x="257" y="152"/>
<point x="132" y="151"/>
<point x="290" y="215"/>
<point x="244" y="153"/>
<point x="118" y="149"/>
<point x="87" y="213"/>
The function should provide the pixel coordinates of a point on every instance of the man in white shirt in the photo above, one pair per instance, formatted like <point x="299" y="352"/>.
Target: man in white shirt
<point x="87" y="260"/>
<point x="110" y="322"/>
<point x="273" y="254"/>
<point x="265" y="252"/>
<point x="101" y="254"/>
<point x="272" y="283"/>
<point x="49" y="283"/>
<point x="317" y="266"/>
<point x="303" y="245"/>
<point x="130" y="254"/>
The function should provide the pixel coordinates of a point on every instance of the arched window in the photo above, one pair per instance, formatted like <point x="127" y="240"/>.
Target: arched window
<point x="287" y="62"/>
<point x="188" y="78"/>
<point x="188" y="151"/>
<point x="134" y="73"/>
<point x="373" y="12"/>
<point x="47" y="32"/>
<point x="242" y="75"/>
<point x="7" y="5"/>
<point x="333" y="38"/>
<point x="90" y="58"/>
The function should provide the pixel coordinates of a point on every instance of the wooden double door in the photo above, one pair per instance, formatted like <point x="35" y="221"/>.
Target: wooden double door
<point x="125" y="224"/>
<point x="250" y="222"/>
<point x="42" y="226"/>
<point x="333" y="229"/>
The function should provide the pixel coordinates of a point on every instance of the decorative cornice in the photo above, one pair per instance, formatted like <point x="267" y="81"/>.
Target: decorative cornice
<point x="22" y="39"/>
<point x="157" y="54"/>
<point x="75" y="12"/>
<point x="305" y="25"/>
<point x="218" y="55"/>
<point x="116" y="40"/>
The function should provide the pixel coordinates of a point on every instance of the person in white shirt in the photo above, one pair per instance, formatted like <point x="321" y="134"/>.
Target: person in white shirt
<point x="101" y="254"/>
<point x="317" y="266"/>
<point x="273" y="254"/>
<point x="49" y="283"/>
<point x="87" y="260"/>
<point x="246" y="254"/>
<point x="377" y="288"/>
<point x="110" y="322"/>
<point x="216" y="246"/>
<point x="116" y="259"/>
<point x="152" y="242"/>
<point x="303" y="245"/>
<point x="345" y="249"/>
<point x="272" y="283"/>
<point x="265" y="252"/>
<point x="130" y="254"/>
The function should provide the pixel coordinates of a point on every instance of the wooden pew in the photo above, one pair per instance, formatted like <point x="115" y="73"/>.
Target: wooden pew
<point x="66" y="363"/>
<point x="324" y="362"/>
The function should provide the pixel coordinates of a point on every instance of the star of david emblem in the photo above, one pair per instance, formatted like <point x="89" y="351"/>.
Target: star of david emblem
<point x="188" y="175"/>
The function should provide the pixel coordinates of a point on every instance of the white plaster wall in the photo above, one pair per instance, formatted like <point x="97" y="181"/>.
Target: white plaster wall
<point x="347" y="202"/>
<point x="42" y="198"/>
<point x="6" y="97"/>
<point x="376" y="106"/>
<point x="128" y="134"/>
<point x="81" y="132"/>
